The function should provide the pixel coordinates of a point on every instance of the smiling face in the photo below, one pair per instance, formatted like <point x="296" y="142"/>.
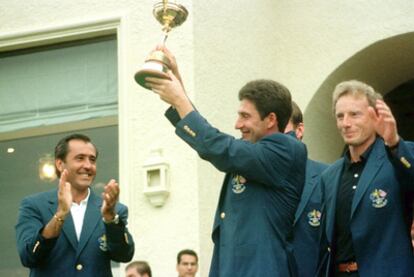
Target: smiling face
<point x="251" y="126"/>
<point x="80" y="162"/>
<point x="354" y="121"/>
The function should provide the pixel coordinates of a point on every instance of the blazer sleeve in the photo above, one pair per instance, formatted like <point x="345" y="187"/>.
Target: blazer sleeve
<point x="172" y="115"/>
<point x="33" y="249"/>
<point x="120" y="243"/>
<point x="258" y="161"/>
<point x="402" y="159"/>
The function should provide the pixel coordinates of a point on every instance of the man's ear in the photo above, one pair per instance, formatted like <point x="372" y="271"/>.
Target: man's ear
<point x="59" y="165"/>
<point x="300" y="131"/>
<point x="272" y="121"/>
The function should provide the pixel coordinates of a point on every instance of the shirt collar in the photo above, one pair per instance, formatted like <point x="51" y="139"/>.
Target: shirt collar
<point x="84" y="201"/>
<point x="364" y="156"/>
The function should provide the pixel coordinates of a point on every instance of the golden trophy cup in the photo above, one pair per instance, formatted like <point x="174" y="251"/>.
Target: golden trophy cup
<point x="170" y="15"/>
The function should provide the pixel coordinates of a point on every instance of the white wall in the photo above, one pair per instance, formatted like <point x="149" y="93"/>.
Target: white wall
<point x="300" y="43"/>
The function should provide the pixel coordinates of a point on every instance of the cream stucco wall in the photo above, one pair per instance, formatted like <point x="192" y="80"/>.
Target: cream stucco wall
<point x="301" y="44"/>
<point x="307" y="45"/>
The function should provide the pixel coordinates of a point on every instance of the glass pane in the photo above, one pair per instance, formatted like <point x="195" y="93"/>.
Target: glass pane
<point x="60" y="83"/>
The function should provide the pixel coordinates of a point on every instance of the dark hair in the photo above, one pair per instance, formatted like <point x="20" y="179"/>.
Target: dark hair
<point x="269" y="96"/>
<point x="142" y="267"/>
<point x="297" y="117"/>
<point x="186" y="252"/>
<point x="62" y="148"/>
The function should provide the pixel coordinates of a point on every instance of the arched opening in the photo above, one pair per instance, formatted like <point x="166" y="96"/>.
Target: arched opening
<point x="400" y="100"/>
<point x="388" y="66"/>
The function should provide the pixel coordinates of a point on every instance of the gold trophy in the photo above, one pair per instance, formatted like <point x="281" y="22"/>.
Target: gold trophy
<point x="170" y="15"/>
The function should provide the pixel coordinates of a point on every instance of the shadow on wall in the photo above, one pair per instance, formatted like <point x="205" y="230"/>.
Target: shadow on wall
<point x="385" y="65"/>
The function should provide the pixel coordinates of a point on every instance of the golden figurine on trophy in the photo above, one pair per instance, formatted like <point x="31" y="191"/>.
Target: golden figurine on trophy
<point x="170" y="15"/>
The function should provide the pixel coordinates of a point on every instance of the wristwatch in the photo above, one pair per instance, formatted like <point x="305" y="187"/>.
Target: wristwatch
<point x="113" y="221"/>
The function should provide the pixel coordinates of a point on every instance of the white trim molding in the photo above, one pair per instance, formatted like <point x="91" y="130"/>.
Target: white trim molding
<point x="58" y="34"/>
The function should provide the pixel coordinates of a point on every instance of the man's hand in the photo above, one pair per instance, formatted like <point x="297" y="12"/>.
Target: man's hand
<point x="110" y="198"/>
<point x="172" y="92"/>
<point x="385" y="124"/>
<point x="173" y="62"/>
<point x="54" y="226"/>
<point x="64" y="196"/>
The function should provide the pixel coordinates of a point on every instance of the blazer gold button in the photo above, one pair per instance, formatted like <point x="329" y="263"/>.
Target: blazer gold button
<point x="79" y="267"/>
<point x="405" y="162"/>
<point x="223" y="215"/>
<point x="126" y="238"/>
<point x="329" y="249"/>
<point x="36" y="246"/>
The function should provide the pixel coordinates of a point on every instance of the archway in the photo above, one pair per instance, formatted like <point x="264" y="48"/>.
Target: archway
<point x="385" y="65"/>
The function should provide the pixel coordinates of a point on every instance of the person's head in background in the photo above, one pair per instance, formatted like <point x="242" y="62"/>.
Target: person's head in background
<point x="187" y="263"/>
<point x="138" y="269"/>
<point x="295" y="123"/>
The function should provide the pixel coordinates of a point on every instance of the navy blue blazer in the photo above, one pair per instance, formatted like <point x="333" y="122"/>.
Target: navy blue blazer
<point x="307" y="225"/>
<point x="63" y="256"/>
<point x="258" y="199"/>
<point x="380" y="225"/>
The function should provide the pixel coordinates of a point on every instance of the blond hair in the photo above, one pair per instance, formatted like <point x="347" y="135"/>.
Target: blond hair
<point x="355" y="88"/>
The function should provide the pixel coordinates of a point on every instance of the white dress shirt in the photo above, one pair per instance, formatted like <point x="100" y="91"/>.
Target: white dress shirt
<point x="78" y="214"/>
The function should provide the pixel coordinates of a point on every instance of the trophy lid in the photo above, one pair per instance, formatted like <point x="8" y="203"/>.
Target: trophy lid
<point x="170" y="15"/>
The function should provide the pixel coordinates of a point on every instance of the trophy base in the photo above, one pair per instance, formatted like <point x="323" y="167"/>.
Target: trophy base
<point x="151" y="72"/>
<point x="156" y="65"/>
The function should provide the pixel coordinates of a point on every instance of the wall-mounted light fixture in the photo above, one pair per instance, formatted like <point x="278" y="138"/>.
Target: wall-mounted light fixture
<point x="156" y="178"/>
<point x="47" y="168"/>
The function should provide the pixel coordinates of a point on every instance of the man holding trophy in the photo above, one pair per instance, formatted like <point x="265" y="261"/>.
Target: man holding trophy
<point x="265" y="170"/>
<point x="265" y="173"/>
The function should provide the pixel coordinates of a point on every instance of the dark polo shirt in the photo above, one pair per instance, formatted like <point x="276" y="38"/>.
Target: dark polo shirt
<point x="349" y="180"/>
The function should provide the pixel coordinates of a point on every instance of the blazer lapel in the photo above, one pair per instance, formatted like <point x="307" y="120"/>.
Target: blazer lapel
<point x="68" y="228"/>
<point x="330" y="198"/>
<point x="374" y="163"/>
<point x="221" y="200"/>
<point x="217" y="220"/>
<point x="307" y="191"/>
<point x="90" y="221"/>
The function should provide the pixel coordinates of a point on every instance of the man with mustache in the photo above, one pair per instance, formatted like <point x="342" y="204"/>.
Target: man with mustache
<point x="71" y="231"/>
